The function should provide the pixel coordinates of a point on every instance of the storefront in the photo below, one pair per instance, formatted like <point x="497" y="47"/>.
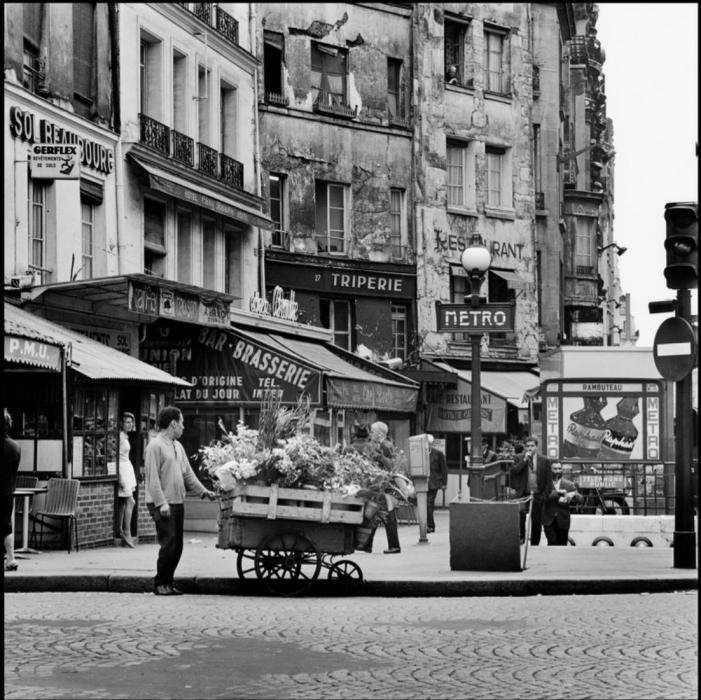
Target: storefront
<point x="232" y="369"/>
<point x="66" y="393"/>
<point x="363" y="303"/>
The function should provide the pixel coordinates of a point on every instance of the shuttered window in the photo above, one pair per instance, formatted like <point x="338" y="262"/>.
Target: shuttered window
<point x="83" y="49"/>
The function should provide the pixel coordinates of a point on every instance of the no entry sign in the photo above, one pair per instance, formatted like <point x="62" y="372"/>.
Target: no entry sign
<point x="675" y="349"/>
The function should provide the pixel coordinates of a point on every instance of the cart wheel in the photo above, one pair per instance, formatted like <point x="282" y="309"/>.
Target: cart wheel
<point x="245" y="564"/>
<point x="347" y="577"/>
<point x="287" y="562"/>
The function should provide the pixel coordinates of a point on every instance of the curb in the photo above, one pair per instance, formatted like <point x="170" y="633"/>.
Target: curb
<point x="113" y="583"/>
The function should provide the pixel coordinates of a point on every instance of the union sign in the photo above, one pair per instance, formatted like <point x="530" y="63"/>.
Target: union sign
<point x="485" y="318"/>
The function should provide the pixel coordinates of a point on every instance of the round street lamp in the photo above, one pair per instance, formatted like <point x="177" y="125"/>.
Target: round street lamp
<point x="476" y="260"/>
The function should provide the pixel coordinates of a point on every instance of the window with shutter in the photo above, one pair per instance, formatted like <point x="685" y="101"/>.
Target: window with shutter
<point x="83" y="48"/>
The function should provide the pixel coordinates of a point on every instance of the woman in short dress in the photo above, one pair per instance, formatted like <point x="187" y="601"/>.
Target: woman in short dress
<point x="127" y="480"/>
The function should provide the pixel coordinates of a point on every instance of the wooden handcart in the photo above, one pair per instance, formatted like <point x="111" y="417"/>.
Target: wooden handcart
<point x="284" y="537"/>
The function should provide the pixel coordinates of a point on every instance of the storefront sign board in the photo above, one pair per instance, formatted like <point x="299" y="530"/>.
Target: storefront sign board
<point x="32" y="352"/>
<point x="450" y="410"/>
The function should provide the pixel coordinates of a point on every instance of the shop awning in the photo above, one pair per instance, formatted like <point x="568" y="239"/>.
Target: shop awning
<point x="510" y="386"/>
<point x="86" y="356"/>
<point x="513" y="280"/>
<point x="349" y="384"/>
<point x="179" y="187"/>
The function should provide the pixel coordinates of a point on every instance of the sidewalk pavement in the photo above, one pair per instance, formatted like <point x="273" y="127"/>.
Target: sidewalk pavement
<point x="419" y="570"/>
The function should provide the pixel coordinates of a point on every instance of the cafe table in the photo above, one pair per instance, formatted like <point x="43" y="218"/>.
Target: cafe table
<point x="27" y="494"/>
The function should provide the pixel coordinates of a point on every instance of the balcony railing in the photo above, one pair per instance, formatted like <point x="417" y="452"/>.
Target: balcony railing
<point x="207" y="160"/>
<point x="276" y="99"/>
<point x="183" y="148"/>
<point x="337" y="110"/>
<point x="586" y="270"/>
<point x="578" y="50"/>
<point x="231" y="171"/>
<point x="203" y="10"/>
<point x="154" y="134"/>
<point x="398" y="121"/>
<point x="225" y="24"/>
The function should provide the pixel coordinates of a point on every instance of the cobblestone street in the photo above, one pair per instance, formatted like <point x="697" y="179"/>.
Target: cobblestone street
<point x="83" y="645"/>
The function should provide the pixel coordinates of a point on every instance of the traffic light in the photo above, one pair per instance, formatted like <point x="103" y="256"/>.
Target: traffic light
<point x="682" y="244"/>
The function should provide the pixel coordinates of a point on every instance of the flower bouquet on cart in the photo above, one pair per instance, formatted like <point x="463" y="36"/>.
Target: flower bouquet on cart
<point x="282" y="457"/>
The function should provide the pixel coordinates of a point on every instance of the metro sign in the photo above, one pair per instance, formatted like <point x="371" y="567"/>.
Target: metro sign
<point x="485" y="318"/>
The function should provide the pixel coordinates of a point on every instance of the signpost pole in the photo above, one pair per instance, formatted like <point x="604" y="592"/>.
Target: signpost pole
<point x="684" y="536"/>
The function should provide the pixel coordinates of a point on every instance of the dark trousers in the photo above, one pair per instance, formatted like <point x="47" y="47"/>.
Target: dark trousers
<point x="390" y="528"/>
<point x="556" y="535"/>
<point x="430" y="507"/>
<point x="169" y="532"/>
<point x="536" y="520"/>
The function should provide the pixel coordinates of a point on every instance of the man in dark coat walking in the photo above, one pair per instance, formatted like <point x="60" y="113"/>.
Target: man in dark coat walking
<point x="437" y="479"/>
<point x="556" y="509"/>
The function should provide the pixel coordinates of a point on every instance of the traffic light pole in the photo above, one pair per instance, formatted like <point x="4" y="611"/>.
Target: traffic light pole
<point x="684" y="536"/>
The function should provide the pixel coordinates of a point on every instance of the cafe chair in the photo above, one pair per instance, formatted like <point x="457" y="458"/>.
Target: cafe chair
<point x="24" y="481"/>
<point x="61" y="501"/>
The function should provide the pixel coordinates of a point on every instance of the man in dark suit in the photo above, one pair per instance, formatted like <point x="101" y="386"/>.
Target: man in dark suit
<point x="533" y="473"/>
<point x="556" y="509"/>
<point x="488" y="456"/>
<point x="437" y="479"/>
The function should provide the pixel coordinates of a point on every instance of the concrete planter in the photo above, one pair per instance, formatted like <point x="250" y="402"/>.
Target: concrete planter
<point x="484" y="536"/>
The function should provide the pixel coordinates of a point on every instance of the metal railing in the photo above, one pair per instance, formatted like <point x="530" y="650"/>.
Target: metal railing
<point x="183" y="148"/>
<point x="626" y="488"/>
<point x="231" y="171"/>
<point x="207" y="159"/>
<point x="154" y="134"/>
<point x="224" y="23"/>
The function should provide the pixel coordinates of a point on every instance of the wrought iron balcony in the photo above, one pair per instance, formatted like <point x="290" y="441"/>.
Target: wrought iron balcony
<point x="203" y="10"/>
<point x="336" y="110"/>
<point x="154" y="134"/>
<point x="585" y="270"/>
<point x="276" y="99"/>
<point x="207" y="160"/>
<point x="398" y="121"/>
<point x="578" y="50"/>
<point x="227" y="26"/>
<point x="183" y="148"/>
<point x="231" y="171"/>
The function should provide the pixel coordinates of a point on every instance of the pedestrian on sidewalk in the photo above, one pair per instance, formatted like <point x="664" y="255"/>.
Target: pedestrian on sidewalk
<point x="488" y="456"/>
<point x="127" y="480"/>
<point x="556" y="509"/>
<point x="10" y="465"/>
<point x="437" y="479"/>
<point x="168" y="474"/>
<point x="375" y="444"/>
<point x="533" y="474"/>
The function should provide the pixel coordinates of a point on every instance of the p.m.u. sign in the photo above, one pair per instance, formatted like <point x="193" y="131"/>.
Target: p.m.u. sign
<point x="485" y="318"/>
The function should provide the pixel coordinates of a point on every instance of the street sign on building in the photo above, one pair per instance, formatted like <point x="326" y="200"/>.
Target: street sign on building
<point x="486" y="318"/>
<point x="675" y="349"/>
<point x="55" y="161"/>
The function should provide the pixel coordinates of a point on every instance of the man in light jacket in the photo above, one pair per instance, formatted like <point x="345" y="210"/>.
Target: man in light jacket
<point x="168" y="474"/>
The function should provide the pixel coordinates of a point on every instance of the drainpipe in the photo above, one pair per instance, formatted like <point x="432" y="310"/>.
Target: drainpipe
<point x="118" y="158"/>
<point x="256" y="153"/>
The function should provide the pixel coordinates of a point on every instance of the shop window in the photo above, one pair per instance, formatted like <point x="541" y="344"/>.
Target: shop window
<point x="328" y="76"/>
<point x="395" y="97"/>
<point x="87" y="210"/>
<point x="400" y="331"/>
<point x="331" y="223"/>
<point x="397" y="224"/>
<point x="272" y="66"/>
<point x="154" y="237"/>
<point x="34" y="401"/>
<point x="277" y="209"/>
<point x="336" y="316"/>
<point x="209" y="253"/>
<point x="95" y="432"/>
<point x="84" y="56"/>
